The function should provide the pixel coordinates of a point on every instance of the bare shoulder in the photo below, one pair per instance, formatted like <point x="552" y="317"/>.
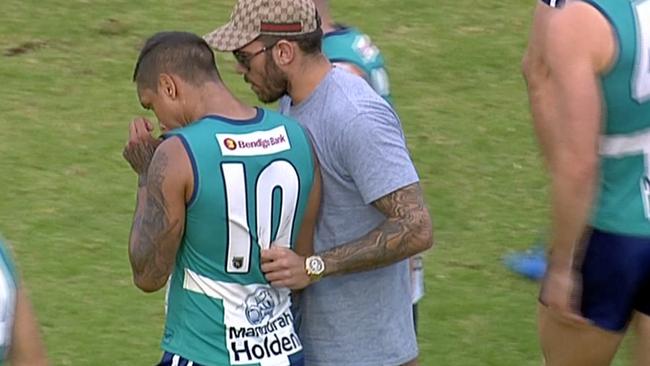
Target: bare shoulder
<point x="580" y="18"/>
<point x="171" y="147"/>
<point x="172" y="160"/>
<point x="581" y="30"/>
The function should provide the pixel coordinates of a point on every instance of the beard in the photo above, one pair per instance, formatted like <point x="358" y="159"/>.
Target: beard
<point x="275" y="84"/>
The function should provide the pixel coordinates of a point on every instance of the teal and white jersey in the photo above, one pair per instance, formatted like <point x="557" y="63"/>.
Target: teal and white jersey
<point x="252" y="180"/>
<point x="8" y="288"/>
<point x="348" y="45"/>
<point x="623" y="205"/>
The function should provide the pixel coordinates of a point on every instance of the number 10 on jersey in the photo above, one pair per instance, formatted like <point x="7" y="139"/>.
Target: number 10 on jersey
<point x="280" y="174"/>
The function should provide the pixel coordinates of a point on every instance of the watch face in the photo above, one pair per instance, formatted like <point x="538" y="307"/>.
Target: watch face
<point x="316" y="265"/>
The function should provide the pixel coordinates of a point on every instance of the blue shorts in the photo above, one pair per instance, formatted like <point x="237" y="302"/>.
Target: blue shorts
<point x="554" y="3"/>
<point x="170" y="359"/>
<point x="615" y="279"/>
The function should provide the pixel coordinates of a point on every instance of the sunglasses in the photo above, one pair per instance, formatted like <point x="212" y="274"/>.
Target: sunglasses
<point x="244" y="58"/>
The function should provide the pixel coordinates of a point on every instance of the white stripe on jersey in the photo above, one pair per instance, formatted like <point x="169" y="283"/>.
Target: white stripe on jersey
<point x="625" y="144"/>
<point x="255" y="308"/>
<point x="637" y="143"/>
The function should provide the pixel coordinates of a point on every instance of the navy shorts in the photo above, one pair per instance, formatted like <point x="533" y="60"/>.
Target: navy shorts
<point x="615" y="279"/>
<point x="554" y="3"/>
<point x="170" y="359"/>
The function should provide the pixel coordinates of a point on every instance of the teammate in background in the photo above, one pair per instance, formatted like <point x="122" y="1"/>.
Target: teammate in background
<point x="227" y="180"/>
<point x="20" y="340"/>
<point x="347" y="48"/>
<point x="532" y="262"/>
<point x="596" y="144"/>
<point x="357" y="299"/>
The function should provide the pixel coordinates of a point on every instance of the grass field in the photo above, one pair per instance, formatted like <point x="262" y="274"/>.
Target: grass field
<point x="67" y="195"/>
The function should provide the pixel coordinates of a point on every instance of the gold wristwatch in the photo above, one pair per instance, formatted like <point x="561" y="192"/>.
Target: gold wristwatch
<point x="315" y="267"/>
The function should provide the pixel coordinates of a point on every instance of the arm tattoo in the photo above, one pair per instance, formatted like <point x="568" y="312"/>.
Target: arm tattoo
<point x="406" y="231"/>
<point x="152" y="231"/>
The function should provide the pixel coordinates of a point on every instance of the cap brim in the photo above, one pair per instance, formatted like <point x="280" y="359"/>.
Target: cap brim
<point x="229" y="38"/>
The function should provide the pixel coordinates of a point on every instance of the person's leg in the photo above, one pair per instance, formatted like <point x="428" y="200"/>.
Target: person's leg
<point x="613" y="272"/>
<point x="569" y="344"/>
<point x="642" y="319"/>
<point x="642" y="339"/>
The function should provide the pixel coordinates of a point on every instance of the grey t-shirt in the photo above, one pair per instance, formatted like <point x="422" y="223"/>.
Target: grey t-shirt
<point x="365" y="318"/>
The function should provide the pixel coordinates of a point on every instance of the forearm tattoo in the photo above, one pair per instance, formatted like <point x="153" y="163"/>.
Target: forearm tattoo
<point x="152" y="228"/>
<point x="406" y="231"/>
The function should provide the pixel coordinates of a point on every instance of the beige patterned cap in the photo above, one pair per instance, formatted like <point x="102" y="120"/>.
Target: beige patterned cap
<point x="252" y="18"/>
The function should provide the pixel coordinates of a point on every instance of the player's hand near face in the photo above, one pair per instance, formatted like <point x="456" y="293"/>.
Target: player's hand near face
<point x="141" y="145"/>
<point x="284" y="268"/>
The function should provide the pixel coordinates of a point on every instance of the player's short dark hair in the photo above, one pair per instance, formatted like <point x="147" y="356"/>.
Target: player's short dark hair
<point x="182" y="53"/>
<point x="309" y="43"/>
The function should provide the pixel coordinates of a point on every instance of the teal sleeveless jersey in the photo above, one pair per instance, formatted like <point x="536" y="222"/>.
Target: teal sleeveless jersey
<point x="623" y="204"/>
<point x="351" y="46"/>
<point x="252" y="180"/>
<point x="8" y="288"/>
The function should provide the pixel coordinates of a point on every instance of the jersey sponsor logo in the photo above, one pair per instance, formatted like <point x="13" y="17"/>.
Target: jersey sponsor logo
<point x="255" y="143"/>
<point x="238" y="262"/>
<point x="261" y="304"/>
<point x="257" y="319"/>
<point x="269" y="333"/>
<point x="274" y="339"/>
<point x="364" y="47"/>
<point x="230" y="144"/>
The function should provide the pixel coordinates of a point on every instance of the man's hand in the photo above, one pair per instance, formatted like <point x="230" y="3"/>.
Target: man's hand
<point x="561" y="294"/>
<point x="284" y="268"/>
<point x="141" y="145"/>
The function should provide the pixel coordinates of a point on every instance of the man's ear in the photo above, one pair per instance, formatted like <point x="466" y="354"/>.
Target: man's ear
<point x="284" y="53"/>
<point x="167" y="86"/>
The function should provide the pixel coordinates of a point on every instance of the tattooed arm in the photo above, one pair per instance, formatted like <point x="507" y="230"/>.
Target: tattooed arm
<point x="159" y="218"/>
<point x="406" y="231"/>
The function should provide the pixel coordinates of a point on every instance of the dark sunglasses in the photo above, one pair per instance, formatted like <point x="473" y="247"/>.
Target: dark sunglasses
<point x="244" y="58"/>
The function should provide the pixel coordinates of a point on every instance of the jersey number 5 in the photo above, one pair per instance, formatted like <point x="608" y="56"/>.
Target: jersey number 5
<point x="280" y="174"/>
<point x="641" y="77"/>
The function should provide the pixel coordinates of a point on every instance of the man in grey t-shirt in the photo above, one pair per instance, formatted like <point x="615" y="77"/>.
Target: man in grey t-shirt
<point x="356" y="304"/>
<point x="350" y="50"/>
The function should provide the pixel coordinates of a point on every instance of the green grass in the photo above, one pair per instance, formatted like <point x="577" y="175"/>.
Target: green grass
<point x="68" y="196"/>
